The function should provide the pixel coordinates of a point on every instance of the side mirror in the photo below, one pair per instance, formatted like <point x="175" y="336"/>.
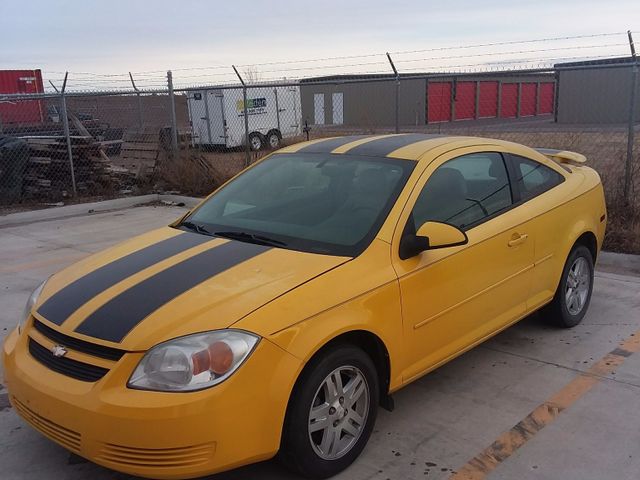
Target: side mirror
<point x="431" y="235"/>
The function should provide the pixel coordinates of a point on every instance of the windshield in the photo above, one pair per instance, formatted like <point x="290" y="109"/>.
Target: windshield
<point x="322" y="203"/>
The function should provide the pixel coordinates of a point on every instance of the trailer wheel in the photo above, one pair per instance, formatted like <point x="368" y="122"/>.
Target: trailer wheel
<point x="273" y="139"/>
<point x="256" y="141"/>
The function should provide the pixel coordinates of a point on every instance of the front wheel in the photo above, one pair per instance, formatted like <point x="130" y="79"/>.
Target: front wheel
<point x="256" y="141"/>
<point x="571" y="301"/>
<point x="331" y="413"/>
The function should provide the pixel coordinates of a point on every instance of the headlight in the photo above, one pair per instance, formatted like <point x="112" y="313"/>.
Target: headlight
<point x="193" y="362"/>
<point x="33" y="298"/>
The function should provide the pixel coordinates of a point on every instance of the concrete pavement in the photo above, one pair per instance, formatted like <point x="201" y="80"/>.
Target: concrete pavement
<point x="441" y="421"/>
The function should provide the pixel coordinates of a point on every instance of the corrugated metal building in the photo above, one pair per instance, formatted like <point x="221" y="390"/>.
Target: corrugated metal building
<point x="369" y="100"/>
<point x="21" y="81"/>
<point x="597" y="91"/>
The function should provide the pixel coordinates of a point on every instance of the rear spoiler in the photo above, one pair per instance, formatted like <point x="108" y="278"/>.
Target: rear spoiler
<point x="562" y="156"/>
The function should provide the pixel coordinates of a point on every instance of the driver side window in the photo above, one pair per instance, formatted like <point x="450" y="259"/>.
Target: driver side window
<point x="465" y="191"/>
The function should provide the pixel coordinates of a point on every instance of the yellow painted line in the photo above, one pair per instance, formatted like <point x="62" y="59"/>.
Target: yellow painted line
<point x="345" y="148"/>
<point x="21" y="267"/>
<point x="506" y="444"/>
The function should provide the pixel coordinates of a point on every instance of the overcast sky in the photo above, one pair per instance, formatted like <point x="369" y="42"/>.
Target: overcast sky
<point x="119" y="36"/>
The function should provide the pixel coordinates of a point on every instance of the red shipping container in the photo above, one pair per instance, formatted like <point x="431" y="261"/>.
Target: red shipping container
<point x="439" y="102"/>
<point x="509" y="100"/>
<point x="488" y="102"/>
<point x="528" y="99"/>
<point x="465" y="100"/>
<point x="21" y="81"/>
<point x="547" y="91"/>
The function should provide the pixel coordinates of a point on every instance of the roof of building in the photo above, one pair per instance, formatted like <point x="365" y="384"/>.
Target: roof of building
<point x="600" y="62"/>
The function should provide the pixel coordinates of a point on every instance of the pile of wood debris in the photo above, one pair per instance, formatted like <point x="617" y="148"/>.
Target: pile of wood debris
<point x="48" y="171"/>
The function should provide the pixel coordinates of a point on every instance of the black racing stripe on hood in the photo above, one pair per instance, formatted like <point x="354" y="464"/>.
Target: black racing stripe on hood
<point x="326" y="146"/>
<point x="116" y="318"/>
<point x="63" y="303"/>
<point x="381" y="147"/>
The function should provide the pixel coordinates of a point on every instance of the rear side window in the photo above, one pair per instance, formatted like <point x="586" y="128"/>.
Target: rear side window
<point x="533" y="178"/>
<point x="465" y="191"/>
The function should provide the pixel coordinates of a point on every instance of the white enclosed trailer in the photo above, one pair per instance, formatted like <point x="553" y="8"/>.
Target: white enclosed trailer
<point x="217" y="116"/>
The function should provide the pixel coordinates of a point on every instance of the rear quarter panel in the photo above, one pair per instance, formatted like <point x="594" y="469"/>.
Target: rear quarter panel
<point x="561" y="216"/>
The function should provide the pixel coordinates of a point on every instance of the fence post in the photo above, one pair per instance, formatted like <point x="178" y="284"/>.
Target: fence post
<point x="67" y="134"/>
<point x="172" y="114"/>
<point x="631" y="124"/>
<point x="395" y="72"/>
<point x="139" y="102"/>
<point x="245" y="111"/>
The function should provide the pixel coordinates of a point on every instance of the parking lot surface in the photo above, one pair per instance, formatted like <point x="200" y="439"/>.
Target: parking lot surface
<point x="534" y="402"/>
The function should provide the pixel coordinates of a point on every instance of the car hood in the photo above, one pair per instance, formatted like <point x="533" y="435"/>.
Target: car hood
<point x="170" y="283"/>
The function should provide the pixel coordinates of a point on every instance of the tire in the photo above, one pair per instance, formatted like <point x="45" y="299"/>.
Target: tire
<point x="571" y="301"/>
<point x="302" y="448"/>
<point x="256" y="141"/>
<point x="273" y="139"/>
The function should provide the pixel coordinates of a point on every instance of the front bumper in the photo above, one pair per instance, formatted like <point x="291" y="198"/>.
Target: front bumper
<point x="156" y="434"/>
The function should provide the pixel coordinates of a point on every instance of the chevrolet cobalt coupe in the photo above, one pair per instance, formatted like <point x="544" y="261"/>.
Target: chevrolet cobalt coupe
<point x="279" y="314"/>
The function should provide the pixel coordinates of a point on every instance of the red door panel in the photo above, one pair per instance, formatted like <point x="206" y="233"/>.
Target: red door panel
<point x="528" y="100"/>
<point x="546" y="98"/>
<point x="439" y="102"/>
<point x="488" y="103"/>
<point x="465" y="100"/>
<point x="509" y="100"/>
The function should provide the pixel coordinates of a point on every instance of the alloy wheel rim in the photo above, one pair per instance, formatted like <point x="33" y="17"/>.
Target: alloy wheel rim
<point x="577" y="288"/>
<point x="274" y="141"/>
<point x="338" y="412"/>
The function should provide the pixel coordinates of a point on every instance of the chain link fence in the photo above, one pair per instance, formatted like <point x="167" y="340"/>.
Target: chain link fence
<point x="67" y="146"/>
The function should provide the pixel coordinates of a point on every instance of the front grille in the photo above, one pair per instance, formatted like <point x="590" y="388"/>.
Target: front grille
<point x="157" y="457"/>
<point x="66" y="366"/>
<point x="67" y="438"/>
<point x="101" y="351"/>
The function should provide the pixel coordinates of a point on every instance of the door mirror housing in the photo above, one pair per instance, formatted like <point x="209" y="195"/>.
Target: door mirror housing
<point x="430" y="236"/>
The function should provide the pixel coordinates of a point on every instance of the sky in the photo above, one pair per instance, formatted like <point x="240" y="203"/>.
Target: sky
<point x="98" y="42"/>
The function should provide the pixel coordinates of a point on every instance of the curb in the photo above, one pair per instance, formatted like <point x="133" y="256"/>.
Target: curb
<point x="20" y="218"/>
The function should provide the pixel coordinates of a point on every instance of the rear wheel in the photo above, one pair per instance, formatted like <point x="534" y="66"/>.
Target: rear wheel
<point x="572" y="298"/>
<point x="331" y="413"/>
<point x="256" y="141"/>
<point x="274" y="139"/>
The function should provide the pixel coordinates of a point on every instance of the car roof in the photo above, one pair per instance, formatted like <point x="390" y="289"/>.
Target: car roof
<point x="409" y="146"/>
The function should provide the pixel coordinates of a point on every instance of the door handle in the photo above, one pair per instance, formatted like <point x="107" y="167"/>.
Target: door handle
<point x="517" y="239"/>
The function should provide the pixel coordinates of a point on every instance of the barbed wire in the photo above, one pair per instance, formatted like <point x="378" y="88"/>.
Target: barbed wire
<point x="351" y="64"/>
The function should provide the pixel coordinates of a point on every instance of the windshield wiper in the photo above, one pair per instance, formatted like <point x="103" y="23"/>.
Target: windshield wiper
<point x="251" y="238"/>
<point x="196" y="228"/>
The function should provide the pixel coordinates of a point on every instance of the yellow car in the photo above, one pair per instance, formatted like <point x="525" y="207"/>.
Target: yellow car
<point x="276" y="316"/>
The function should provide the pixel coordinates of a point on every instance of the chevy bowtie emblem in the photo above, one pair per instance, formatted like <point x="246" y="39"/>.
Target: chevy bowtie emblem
<point x="58" y="351"/>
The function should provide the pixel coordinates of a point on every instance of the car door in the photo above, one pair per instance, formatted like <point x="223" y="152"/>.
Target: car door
<point x="535" y="184"/>
<point x="454" y="297"/>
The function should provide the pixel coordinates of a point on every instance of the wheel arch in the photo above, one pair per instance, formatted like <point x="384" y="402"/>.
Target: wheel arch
<point x="369" y="343"/>
<point x="274" y="130"/>
<point x="589" y="240"/>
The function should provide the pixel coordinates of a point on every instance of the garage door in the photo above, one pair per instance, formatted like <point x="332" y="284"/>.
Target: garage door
<point x="439" y="102"/>
<point x="546" y="98"/>
<point x="528" y="99"/>
<point x="488" y="102"/>
<point x="509" y="100"/>
<point x="465" y="100"/>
